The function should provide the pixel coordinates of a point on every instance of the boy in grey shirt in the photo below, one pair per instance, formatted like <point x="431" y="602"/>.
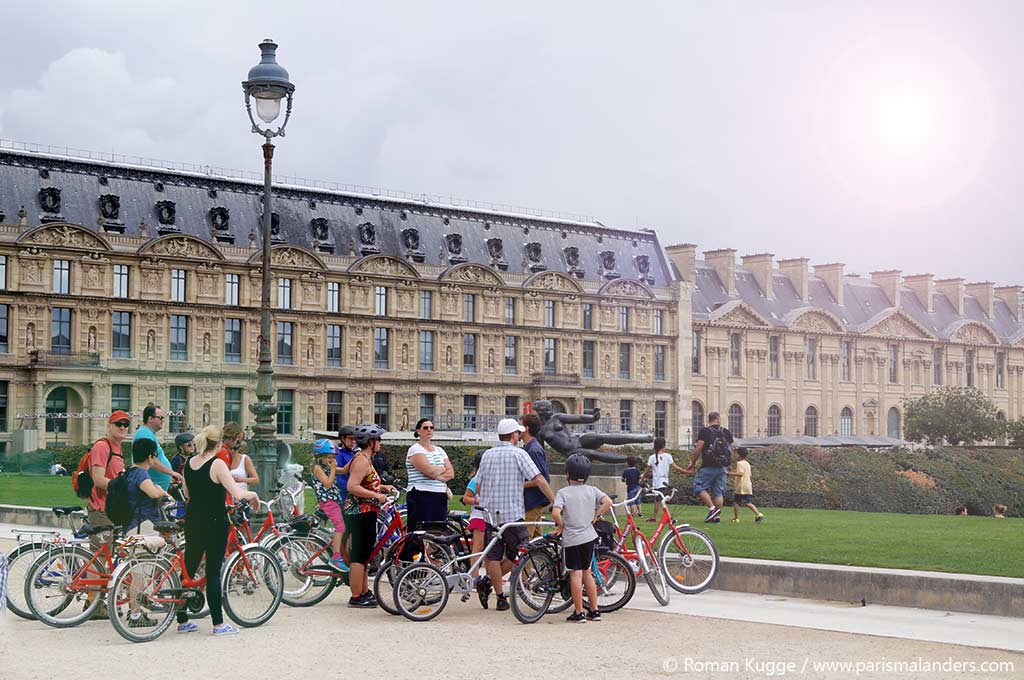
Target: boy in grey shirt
<point x="575" y="510"/>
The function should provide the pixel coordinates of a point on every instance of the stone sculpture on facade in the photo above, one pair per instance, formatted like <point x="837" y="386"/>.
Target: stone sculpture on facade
<point x="555" y="433"/>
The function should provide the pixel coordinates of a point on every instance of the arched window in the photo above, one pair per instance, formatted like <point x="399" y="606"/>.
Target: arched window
<point x="57" y="402"/>
<point x="697" y="420"/>
<point x="811" y="422"/>
<point x="1000" y="417"/>
<point x="774" y="421"/>
<point x="736" y="420"/>
<point x="893" y="423"/>
<point x="846" y="422"/>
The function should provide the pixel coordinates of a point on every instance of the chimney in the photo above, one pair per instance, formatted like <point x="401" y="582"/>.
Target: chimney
<point x="761" y="267"/>
<point x="684" y="257"/>
<point x="984" y="293"/>
<point x="832" y="275"/>
<point x="923" y="286"/>
<point x="953" y="289"/>
<point x="796" y="269"/>
<point x="889" y="281"/>
<point x="724" y="263"/>
<point x="1011" y="295"/>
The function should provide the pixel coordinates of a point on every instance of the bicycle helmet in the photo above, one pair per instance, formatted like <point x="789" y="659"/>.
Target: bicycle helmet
<point x="577" y="468"/>
<point x="346" y="431"/>
<point x="323" y="447"/>
<point x="366" y="432"/>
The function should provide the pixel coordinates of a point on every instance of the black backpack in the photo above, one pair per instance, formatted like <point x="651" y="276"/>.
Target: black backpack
<point x="119" y="504"/>
<point x="718" y="453"/>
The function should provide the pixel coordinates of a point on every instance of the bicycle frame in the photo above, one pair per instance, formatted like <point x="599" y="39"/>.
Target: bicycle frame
<point x="459" y="580"/>
<point x="395" y="526"/>
<point x="632" y="531"/>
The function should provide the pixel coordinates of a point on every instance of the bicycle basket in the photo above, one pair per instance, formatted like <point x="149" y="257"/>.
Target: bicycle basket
<point x="240" y="514"/>
<point x="605" y="534"/>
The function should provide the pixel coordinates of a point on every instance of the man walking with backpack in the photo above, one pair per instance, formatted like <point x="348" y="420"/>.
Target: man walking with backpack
<point x="714" y="446"/>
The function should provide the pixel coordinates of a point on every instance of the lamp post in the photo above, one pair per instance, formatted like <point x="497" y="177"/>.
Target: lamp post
<point x="268" y="84"/>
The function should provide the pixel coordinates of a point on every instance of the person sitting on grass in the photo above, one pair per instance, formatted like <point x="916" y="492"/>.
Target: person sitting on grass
<point x="575" y="510"/>
<point x="999" y="511"/>
<point x="743" y="494"/>
<point x="328" y="499"/>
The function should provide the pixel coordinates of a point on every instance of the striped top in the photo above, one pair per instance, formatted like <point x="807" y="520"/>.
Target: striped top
<point x="417" y="480"/>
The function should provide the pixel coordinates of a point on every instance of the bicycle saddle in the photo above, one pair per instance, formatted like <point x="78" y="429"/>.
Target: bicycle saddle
<point x="613" y="496"/>
<point x="457" y="514"/>
<point x="443" y="539"/>
<point x="66" y="510"/>
<point x="167" y="527"/>
<point x="93" y="529"/>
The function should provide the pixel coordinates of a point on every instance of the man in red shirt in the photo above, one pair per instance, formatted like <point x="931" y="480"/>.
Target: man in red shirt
<point x="105" y="462"/>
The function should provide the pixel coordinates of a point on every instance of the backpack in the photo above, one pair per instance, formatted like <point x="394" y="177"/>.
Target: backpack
<point x="718" y="453"/>
<point x="81" y="481"/>
<point x="119" y="504"/>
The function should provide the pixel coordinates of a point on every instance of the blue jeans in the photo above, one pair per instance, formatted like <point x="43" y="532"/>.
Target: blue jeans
<point x="710" y="479"/>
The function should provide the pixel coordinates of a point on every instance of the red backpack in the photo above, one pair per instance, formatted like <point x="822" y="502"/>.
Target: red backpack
<point x="81" y="481"/>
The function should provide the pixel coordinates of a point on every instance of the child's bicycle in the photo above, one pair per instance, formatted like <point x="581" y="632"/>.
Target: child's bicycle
<point x="31" y="543"/>
<point x="540" y="576"/>
<point x="686" y="559"/>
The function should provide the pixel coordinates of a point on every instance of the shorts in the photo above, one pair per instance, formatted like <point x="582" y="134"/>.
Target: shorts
<point x="333" y="511"/>
<point x="742" y="498"/>
<point x="580" y="557"/>
<point x="362" y="531"/>
<point x="477" y="524"/>
<point x="631" y="492"/>
<point x="710" y="479"/>
<point x="535" y="515"/>
<point x="512" y="539"/>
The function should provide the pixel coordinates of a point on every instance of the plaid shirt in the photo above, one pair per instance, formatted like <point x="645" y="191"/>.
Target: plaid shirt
<point x="503" y="470"/>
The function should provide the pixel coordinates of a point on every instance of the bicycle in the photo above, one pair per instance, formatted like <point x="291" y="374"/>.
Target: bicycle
<point x="30" y="544"/>
<point x="540" y="574"/>
<point x="686" y="557"/>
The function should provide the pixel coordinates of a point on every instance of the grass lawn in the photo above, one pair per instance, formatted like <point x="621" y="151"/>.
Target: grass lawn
<point x="971" y="545"/>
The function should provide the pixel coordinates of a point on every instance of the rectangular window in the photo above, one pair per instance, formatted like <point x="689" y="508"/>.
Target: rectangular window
<point x="937" y="366"/>
<point x="382" y="409"/>
<point x="550" y="356"/>
<point x="511" y="407"/>
<point x="233" y="341"/>
<point x="657" y="322"/>
<point x="284" y="293"/>
<point x="3" y="273"/>
<point x="121" y="398"/>
<point x="893" y="361"/>
<point x="660" y="418"/>
<point x="845" y="360"/>
<point x="120" y="280"/>
<point x="695" y="354"/>
<point x="178" y="402"/>
<point x="179" y="278"/>
<point x="381" y="353"/>
<point x="469" y="353"/>
<point x="179" y="337"/>
<point x="60" y="330"/>
<point x="624" y="319"/>
<point x="380" y="300"/>
<point x="285" y="337"/>
<point x="1000" y="369"/>
<point x="469" y="307"/>
<point x="773" y="357"/>
<point x="511" y="354"/>
<point x="285" y="411"/>
<point x="588" y="407"/>
<point x="231" y="290"/>
<point x="735" y="354"/>
<point x="426" y="304"/>
<point x="426" y="351"/>
<point x="335" y="419"/>
<point x="61" y="277"/>
<point x="588" y="316"/>
<point x="4" y="329"/>
<point x="334" y="349"/>
<point x="659" y="362"/>
<point x="812" y="358"/>
<point x="121" y="342"/>
<point x="588" y="358"/>
<point x="510" y="310"/>
<point x="625" y="352"/>
<point x="4" y="386"/>
<point x="626" y="415"/>
<point x="428" y="406"/>
<point x="549" y="313"/>
<point x="969" y="367"/>
<point x="333" y="299"/>
<point x="233" y="405"/>
<point x="469" y="412"/>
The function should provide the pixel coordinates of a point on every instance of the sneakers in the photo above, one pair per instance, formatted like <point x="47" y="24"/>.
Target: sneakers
<point x="712" y="517"/>
<point x="364" y="601"/>
<point x="502" y="603"/>
<point x="594" y="615"/>
<point x="188" y="627"/>
<point x="140" y="620"/>
<point x="577" y="617"/>
<point x="225" y="629"/>
<point x="339" y="564"/>
<point x="760" y="516"/>
<point x="483" y="590"/>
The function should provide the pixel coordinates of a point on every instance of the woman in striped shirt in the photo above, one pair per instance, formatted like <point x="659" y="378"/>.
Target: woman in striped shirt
<point x="429" y="469"/>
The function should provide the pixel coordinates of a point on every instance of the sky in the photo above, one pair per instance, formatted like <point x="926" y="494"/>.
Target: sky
<point x="885" y="135"/>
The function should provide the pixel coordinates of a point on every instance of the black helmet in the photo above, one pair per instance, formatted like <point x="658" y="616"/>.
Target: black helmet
<point x="346" y="431"/>
<point x="577" y="468"/>
<point x="367" y="431"/>
<point x="183" y="438"/>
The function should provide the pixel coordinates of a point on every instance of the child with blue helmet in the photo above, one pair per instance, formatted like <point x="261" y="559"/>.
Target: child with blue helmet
<point x="325" y="473"/>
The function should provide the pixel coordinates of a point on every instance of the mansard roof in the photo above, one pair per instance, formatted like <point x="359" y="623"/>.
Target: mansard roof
<point x="865" y="307"/>
<point x="220" y="209"/>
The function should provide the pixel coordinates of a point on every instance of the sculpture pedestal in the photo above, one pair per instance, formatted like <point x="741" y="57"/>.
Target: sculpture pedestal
<point x="605" y="476"/>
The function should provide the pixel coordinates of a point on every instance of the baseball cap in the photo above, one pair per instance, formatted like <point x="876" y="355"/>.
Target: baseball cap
<point x="118" y="416"/>
<point x="509" y="425"/>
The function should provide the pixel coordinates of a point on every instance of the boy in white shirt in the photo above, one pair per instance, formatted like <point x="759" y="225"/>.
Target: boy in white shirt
<point x="743" y="493"/>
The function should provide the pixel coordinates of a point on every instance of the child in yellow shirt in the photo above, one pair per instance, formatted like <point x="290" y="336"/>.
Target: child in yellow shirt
<point x="743" y="493"/>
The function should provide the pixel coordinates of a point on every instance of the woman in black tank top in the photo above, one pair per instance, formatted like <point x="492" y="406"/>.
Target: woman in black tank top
<point x="206" y="522"/>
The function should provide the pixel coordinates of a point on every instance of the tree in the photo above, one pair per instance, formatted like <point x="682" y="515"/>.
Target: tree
<point x="1015" y="432"/>
<point x="952" y="414"/>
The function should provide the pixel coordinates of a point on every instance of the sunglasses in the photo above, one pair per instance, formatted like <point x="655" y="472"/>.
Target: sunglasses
<point x="426" y="427"/>
<point x="122" y="423"/>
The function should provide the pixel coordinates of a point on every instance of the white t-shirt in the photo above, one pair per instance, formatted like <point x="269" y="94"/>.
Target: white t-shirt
<point x="417" y="480"/>
<point x="660" y="465"/>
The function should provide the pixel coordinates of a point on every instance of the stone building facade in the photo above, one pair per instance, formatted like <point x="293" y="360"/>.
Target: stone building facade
<point x="122" y="285"/>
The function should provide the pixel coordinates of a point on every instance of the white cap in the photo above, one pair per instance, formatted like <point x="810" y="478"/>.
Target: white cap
<point x="509" y="425"/>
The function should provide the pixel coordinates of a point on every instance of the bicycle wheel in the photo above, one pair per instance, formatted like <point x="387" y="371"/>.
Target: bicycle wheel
<point x="653" y="573"/>
<point x="689" y="559"/>
<point x="533" y="584"/>
<point x="615" y="579"/>
<point x="421" y="591"/>
<point x="19" y="561"/>
<point x="133" y="600"/>
<point x="48" y="587"/>
<point x="252" y="585"/>
<point x="298" y="555"/>
<point x="391" y="566"/>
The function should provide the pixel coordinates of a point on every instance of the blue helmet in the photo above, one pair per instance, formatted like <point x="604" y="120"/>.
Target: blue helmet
<point x="324" y="446"/>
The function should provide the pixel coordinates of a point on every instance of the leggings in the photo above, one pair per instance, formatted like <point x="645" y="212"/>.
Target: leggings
<point x="209" y="536"/>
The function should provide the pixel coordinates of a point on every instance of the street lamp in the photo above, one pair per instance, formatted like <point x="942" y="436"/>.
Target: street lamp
<point x="268" y="84"/>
